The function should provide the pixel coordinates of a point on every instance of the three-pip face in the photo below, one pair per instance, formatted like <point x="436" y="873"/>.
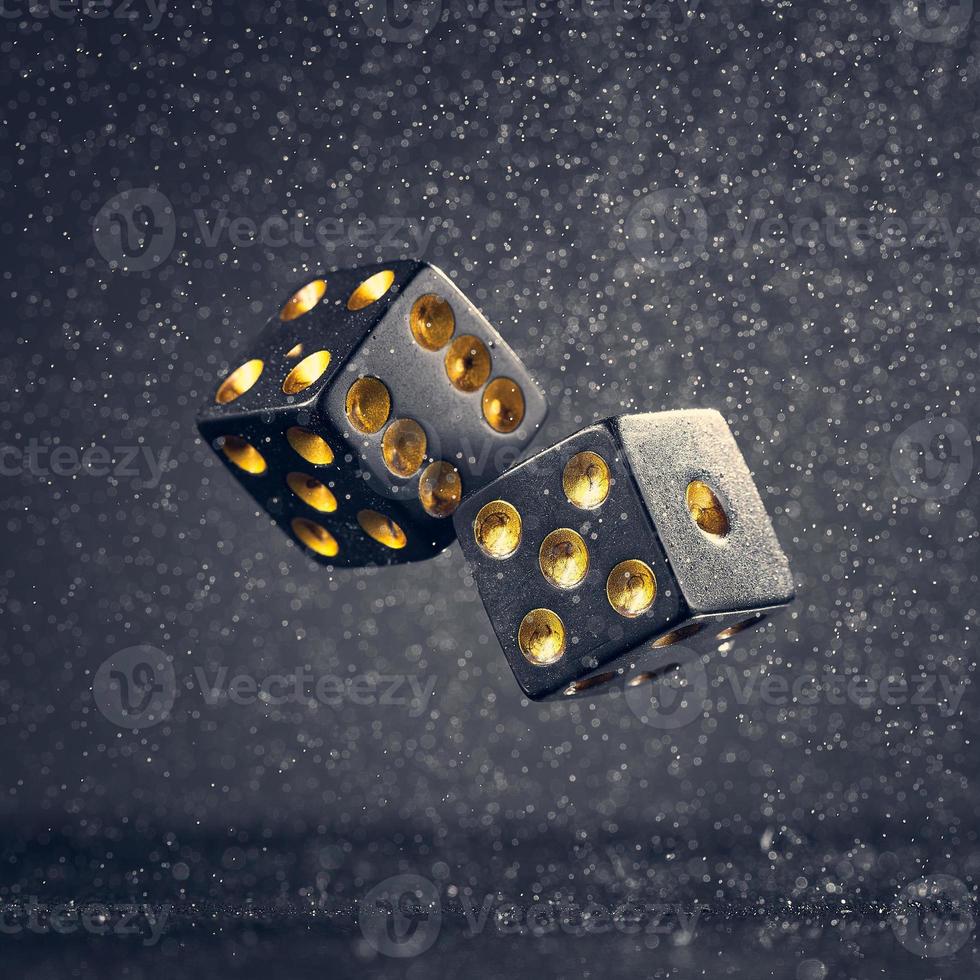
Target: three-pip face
<point x="634" y="534"/>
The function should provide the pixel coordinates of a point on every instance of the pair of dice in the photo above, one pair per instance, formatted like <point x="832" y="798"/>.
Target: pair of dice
<point x="379" y="418"/>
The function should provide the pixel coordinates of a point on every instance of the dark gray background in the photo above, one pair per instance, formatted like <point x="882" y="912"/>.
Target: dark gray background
<point x="522" y="145"/>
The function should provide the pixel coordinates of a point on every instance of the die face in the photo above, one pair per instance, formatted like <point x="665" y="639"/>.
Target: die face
<point x="701" y="635"/>
<point x="305" y="345"/>
<point x="599" y="642"/>
<point x="710" y="634"/>
<point x="707" y="511"/>
<point x="452" y="384"/>
<point x="296" y="467"/>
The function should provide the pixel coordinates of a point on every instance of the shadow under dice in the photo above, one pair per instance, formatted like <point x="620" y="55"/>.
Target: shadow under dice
<point x="373" y="401"/>
<point x="597" y="555"/>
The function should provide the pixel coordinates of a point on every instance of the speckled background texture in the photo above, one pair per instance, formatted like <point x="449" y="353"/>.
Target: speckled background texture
<point x="814" y="278"/>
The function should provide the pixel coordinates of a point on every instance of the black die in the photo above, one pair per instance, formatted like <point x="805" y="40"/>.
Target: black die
<point x="596" y="555"/>
<point x="370" y="404"/>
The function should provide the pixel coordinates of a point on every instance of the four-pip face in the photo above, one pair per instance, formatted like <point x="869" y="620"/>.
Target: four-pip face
<point x="634" y="534"/>
<point x="370" y="405"/>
